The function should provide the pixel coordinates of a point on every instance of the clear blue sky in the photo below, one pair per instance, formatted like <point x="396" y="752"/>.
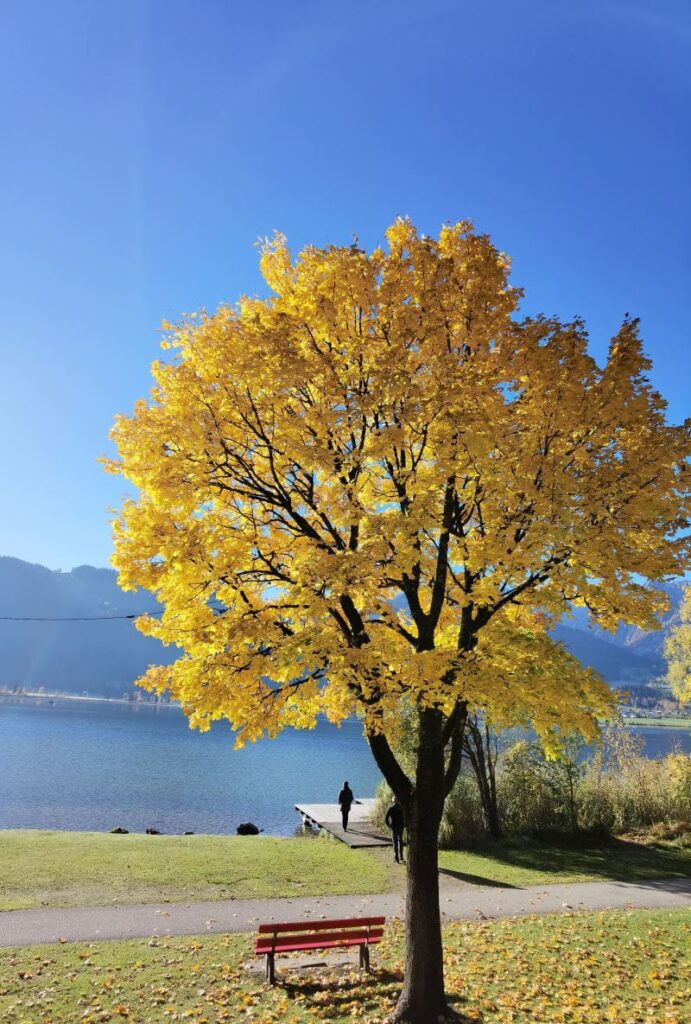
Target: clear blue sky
<point x="146" y="144"/>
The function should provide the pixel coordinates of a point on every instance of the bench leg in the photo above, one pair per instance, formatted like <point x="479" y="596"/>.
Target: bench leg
<point x="270" y="972"/>
<point x="364" y="957"/>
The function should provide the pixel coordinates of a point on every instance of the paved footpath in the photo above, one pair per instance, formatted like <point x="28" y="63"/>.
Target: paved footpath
<point x="86" y="924"/>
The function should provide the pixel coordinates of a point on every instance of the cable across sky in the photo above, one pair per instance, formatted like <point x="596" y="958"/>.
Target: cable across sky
<point x="75" y="618"/>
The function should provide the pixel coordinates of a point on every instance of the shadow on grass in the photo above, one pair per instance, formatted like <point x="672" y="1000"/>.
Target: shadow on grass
<point x="465" y="876"/>
<point x="375" y="993"/>
<point x="614" y="860"/>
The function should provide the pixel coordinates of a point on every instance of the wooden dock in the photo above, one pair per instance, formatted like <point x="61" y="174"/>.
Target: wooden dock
<point x="361" y="833"/>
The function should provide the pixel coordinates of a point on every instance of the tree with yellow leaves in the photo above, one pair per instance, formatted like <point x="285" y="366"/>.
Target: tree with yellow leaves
<point x="678" y="651"/>
<point x="377" y="485"/>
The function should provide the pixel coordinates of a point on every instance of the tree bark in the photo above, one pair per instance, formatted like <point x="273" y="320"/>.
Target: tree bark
<point x="423" y="999"/>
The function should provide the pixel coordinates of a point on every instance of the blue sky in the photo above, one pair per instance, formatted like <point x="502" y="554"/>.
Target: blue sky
<point x="148" y="143"/>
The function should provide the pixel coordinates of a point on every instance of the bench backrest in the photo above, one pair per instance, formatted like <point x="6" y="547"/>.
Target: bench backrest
<point x="317" y="926"/>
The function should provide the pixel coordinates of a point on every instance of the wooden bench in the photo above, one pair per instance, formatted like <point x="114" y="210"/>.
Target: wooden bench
<point x="292" y="936"/>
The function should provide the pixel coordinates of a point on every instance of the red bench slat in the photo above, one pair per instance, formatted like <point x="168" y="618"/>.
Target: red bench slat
<point x="315" y="926"/>
<point x="297" y="947"/>
<point x="284" y="943"/>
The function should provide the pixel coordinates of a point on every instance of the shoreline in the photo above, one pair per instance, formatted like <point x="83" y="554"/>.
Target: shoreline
<point x="54" y="698"/>
<point x="653" y="723"/>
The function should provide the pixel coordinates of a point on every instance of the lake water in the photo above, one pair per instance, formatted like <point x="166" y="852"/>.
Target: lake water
<point x="80" y="765"/>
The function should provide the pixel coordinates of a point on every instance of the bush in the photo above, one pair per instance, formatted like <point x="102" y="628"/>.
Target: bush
<point x="611" y="791"/>
<point x="539" y="795"/>
<point x="622" y="790"/>
<point x="463" y="822"/>
<point x="384" y="798"/>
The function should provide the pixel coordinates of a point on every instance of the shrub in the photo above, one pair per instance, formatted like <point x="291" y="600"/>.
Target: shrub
<point x="463" y="822"/>
<point x="538" y="794"/>
<point x="613" y="790"/>
<point x="622" y="790"/>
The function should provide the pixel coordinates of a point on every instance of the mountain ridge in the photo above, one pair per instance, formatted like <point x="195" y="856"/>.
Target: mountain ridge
<point x="105" y="657"/>
<point x="102" y="658"/>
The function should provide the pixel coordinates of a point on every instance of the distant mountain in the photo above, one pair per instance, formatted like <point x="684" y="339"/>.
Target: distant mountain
<point x="615" y="662"/>
<point x="101" y="658"/>
<point x="630" y="655"/>
<point x="106" y="657"/>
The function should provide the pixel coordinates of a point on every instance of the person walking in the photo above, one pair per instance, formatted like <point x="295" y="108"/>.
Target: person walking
<point x="396" y="822"/>
<point x="345" y="799"/>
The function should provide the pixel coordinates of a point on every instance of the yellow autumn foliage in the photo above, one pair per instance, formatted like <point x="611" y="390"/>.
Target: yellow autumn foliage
<point x="379" y="483"/>
<point x="678" y="651"/>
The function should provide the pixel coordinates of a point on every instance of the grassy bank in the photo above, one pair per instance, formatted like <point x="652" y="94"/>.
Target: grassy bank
<point x="63" y="869"/>
<point x="581" y="969"/>
<point x="67" y="869"/>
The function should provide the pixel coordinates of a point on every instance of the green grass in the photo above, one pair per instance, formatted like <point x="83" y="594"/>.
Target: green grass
<point x="616" y="966"/>
<point x="68" y="869"/>
<point x="530" y="862"/>
<point x="62" y="869"/>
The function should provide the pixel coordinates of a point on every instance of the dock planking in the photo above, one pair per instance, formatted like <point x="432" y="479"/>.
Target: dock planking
<point x="361" y="833"/>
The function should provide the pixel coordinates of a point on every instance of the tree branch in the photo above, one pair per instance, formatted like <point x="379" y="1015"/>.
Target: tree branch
<point x="453" y="766"/>
<point x="389" y="767"/>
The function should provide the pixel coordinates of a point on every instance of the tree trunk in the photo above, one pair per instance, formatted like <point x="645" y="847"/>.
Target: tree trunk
<point x="479" y="751"/>
<point x="493" y="820"/>
<point x="423" y="1000"/>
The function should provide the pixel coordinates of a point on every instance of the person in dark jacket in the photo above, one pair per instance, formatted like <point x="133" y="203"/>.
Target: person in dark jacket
<point x="345" y="799"/>
<point x="396" y="822"/>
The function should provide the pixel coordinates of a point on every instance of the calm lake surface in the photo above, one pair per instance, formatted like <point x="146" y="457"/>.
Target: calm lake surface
<point x="80" y="765"/>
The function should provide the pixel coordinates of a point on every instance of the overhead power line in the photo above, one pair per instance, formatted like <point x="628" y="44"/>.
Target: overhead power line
<point x="75" y="618"/>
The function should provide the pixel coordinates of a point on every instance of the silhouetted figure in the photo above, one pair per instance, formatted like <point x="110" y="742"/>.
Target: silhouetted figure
<point x="345" y="799"/>
<point x="396" y="822"/>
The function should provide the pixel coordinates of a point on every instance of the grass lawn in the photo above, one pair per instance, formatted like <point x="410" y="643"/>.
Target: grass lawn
<point x="530" y="862"/>
<point x="68" y="869"/>
<point x="62" y="869"/>
<point x="582" y="969"/>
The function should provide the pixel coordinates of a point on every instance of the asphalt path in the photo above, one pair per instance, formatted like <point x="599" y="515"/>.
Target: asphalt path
<point x="120" y="921"/>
